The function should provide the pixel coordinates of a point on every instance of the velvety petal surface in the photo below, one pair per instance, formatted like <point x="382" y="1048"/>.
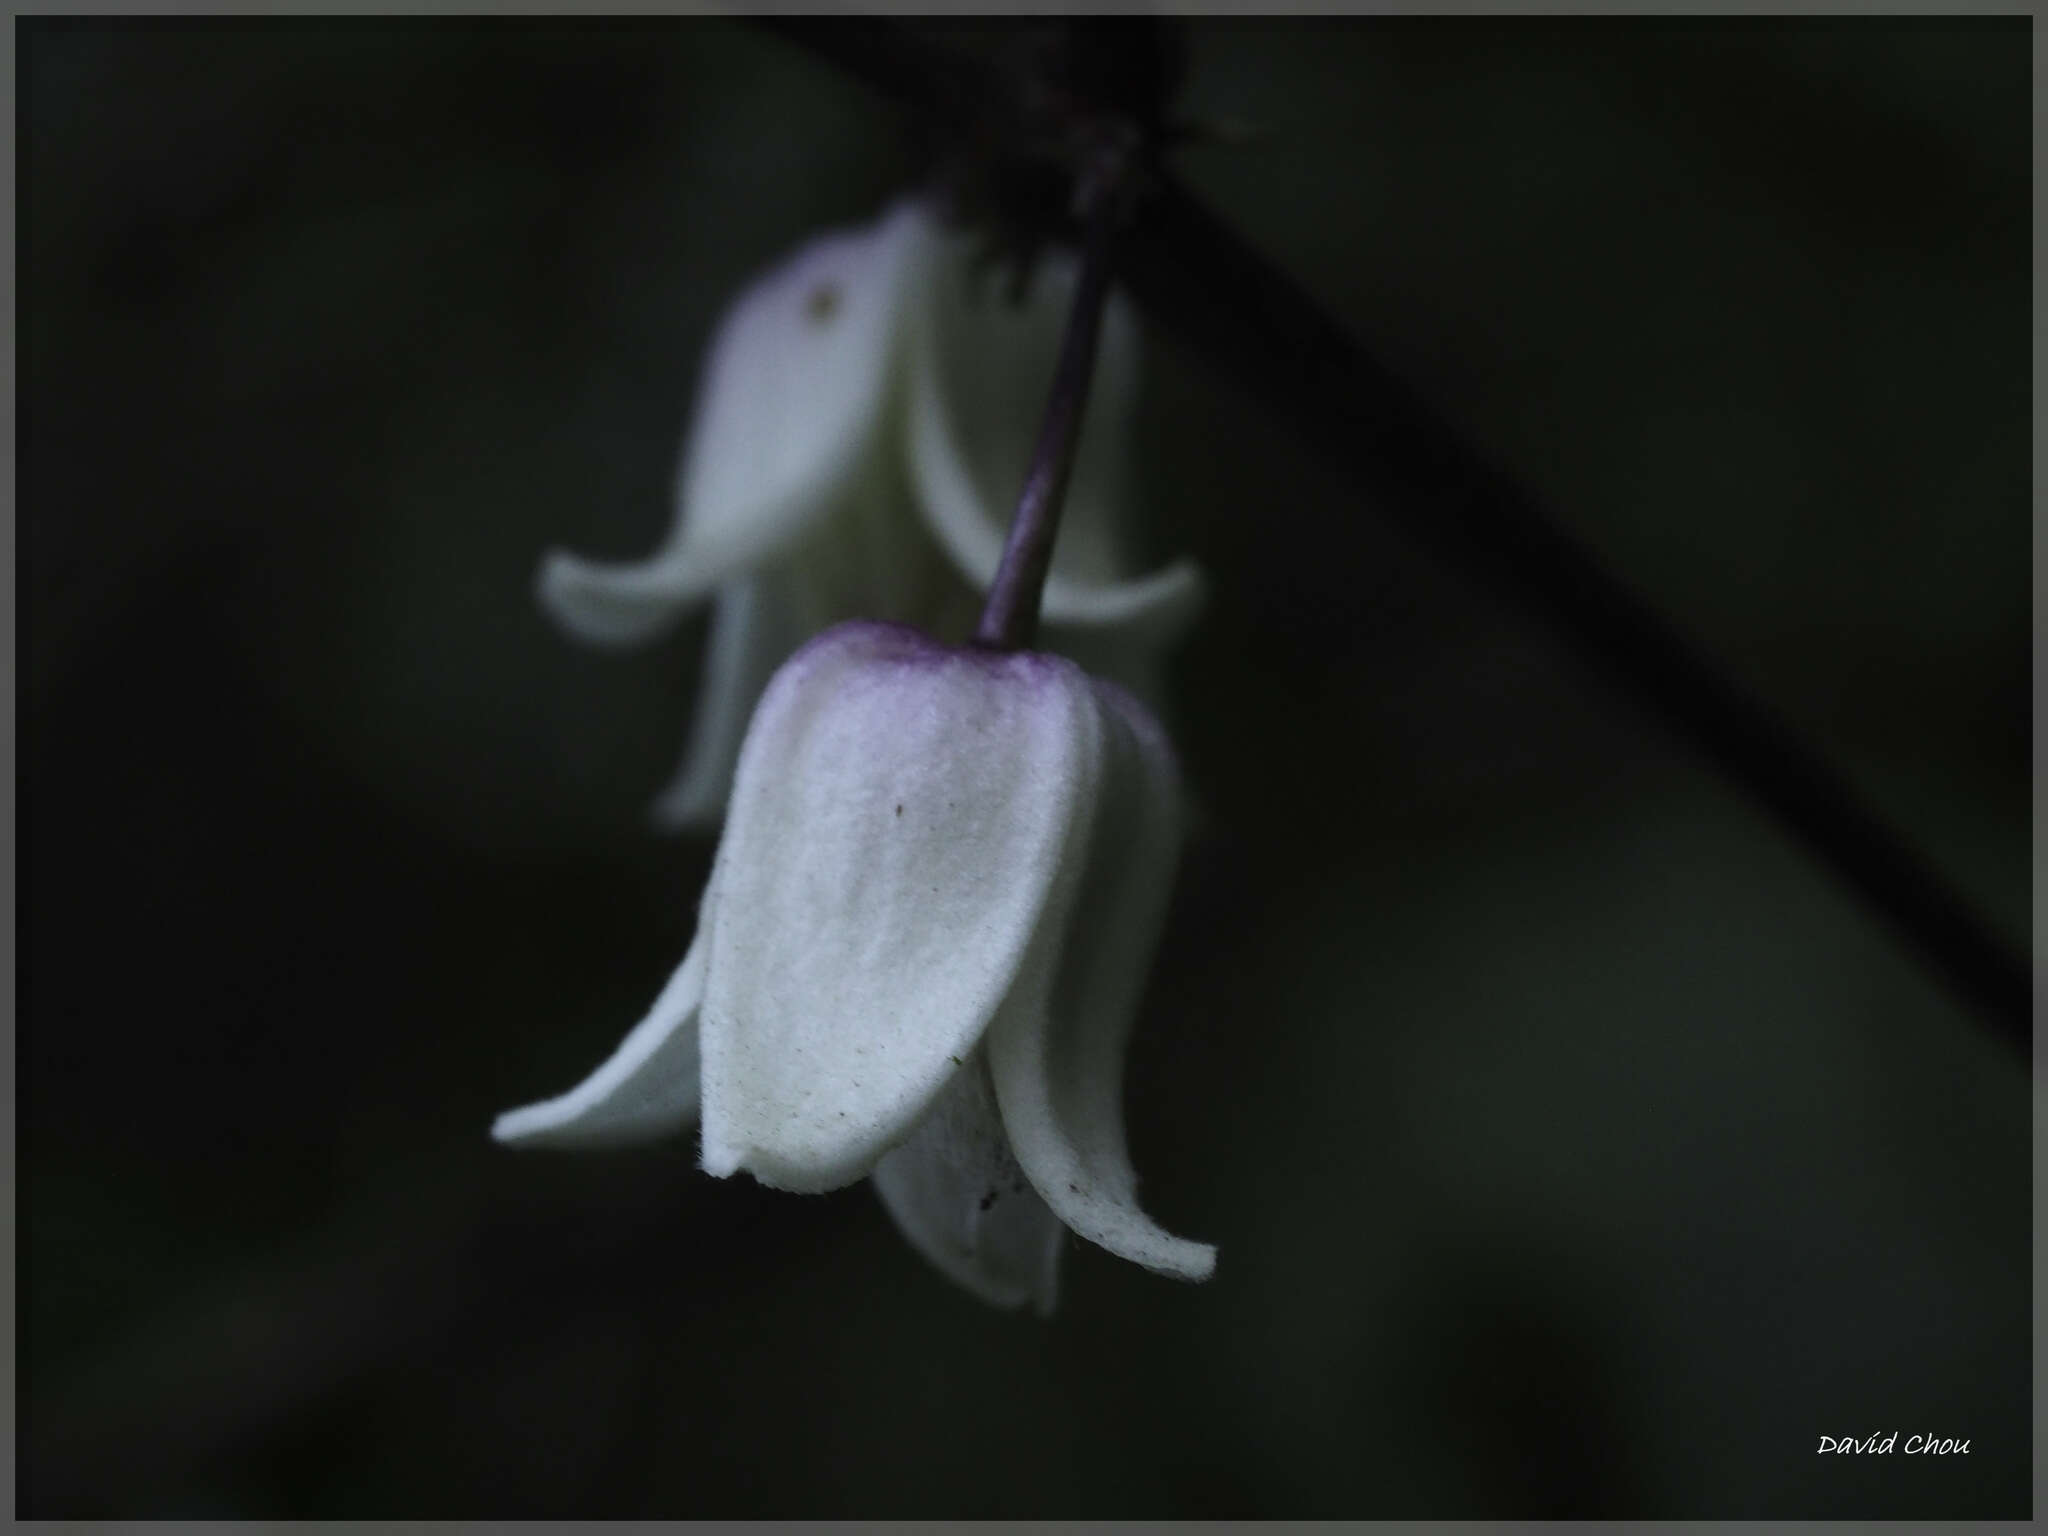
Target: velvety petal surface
<point x="646" y="1090"/>
<point x="900" y="814"/>
<point x="956" y="1192"/>
<point x="798" y="383"/>
<point x="1056" y="1050"/>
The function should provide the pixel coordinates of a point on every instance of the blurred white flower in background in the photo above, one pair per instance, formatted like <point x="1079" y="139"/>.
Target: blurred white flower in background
<point x="862" y="428"/>
<point x="940" y="882"/>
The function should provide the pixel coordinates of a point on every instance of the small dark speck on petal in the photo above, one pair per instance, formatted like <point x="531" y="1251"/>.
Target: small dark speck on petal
<point x="899" y="810"/>
<point x="988" y="1200"/>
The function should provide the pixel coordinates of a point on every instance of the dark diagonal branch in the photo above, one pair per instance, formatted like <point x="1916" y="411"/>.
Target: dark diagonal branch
<point x="1197" y="278"/>
<point x="1273" y="339"/>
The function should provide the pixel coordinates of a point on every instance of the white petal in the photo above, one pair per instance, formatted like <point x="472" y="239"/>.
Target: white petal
<point x="647" y="1090"/>
<point x="1056" y="1050"/>
<point x="900" y="813"/>
<point x="617" y="603"/>
<point x="790" y="402"/>
<point x="956" y="1192"/>
<point x="751" y="636"/>
<point x="979" y="374"/>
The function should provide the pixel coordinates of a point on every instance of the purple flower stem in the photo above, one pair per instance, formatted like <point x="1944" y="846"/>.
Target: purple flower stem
<point x="1009" y="620"/>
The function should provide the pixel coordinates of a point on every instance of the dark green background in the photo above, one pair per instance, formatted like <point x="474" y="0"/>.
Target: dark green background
<point x="1574" y="1146"/>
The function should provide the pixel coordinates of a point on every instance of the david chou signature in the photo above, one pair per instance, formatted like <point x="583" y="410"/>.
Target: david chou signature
<point x="1885" y="1445"/>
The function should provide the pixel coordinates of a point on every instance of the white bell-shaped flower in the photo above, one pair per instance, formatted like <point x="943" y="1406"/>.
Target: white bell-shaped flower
<point x="863" y="421"/>
<point x="941" y="879"/>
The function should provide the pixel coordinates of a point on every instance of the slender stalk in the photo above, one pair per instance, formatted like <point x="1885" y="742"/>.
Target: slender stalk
<point x="1009" y="620"/>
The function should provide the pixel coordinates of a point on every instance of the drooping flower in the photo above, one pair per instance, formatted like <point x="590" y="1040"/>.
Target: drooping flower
<point x="919" y="957"/>
<point x="863" y="422"/>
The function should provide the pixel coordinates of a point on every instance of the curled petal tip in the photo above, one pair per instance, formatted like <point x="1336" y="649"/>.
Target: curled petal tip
<point x="613" y="605"/>
<point x="1143" y="1243"/>
<point x="1151" y="610"/>
<point x="646" y="1090"/>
